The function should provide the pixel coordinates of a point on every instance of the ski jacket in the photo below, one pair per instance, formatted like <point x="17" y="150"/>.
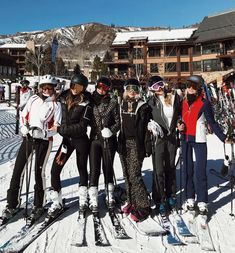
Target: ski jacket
<point x="142" y="135"/>
<point x="195" y="118"/>
<point x="105" y="114"/>
<point x="158" y="114"/>
<point x="42" y="113"/>
<point x="74" y="120"/>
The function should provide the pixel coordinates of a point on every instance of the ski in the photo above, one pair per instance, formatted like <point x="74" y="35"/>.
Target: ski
<point x="177" y="221"/>
<point x="181" y="228"/>
<point x="119" y="231"/>
<point x="100" y="237"/>
<point x="147" y="227"/>
<point x="172" y="237"/>
<point x="203" y="233"/>
<point x="20" y="241"/>
<point x="79" y="234"/>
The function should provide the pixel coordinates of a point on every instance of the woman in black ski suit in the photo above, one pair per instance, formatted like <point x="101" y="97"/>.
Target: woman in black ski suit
<point x="76" y="114"/>
<point x="132" y="148"/>
<point x="105" y="124"/>
<point x="166" y="111"/>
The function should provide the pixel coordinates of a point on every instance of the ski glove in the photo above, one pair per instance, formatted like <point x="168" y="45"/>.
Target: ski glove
<point x="38" y="133"/>
<point x="24" y="130"/>
<point x="106" y="132"/>
<point x="155" y="128"/>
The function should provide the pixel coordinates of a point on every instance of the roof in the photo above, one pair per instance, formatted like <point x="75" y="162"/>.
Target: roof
<point x="13" y="45"/>
<point x="216" y="27"/>
<point x="154" y="36"/>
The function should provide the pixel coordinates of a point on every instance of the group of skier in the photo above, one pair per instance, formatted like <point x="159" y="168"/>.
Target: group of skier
<point x="135" y="128"/>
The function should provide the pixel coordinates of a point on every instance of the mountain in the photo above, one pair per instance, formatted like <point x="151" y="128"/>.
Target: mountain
<point x="77" y="44"/>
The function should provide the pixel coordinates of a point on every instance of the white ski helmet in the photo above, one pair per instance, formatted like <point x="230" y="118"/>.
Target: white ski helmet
<point x="47" y="79"/>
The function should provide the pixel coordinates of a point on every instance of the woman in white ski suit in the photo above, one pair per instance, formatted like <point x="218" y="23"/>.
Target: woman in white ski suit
<point x="40" y="113"/>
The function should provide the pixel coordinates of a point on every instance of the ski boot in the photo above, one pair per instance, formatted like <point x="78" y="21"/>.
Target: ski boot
<point x="172" y="204"/>
<point x="83" y="198"/>
<point x="56" y="206"/>
<point x="126" y="208"/>
<point x="202" y="213"/>
<point x="7" y="214"/>
<point x="36" y="213"/>
<point x="190" y="208"/>
<point x="110" y="196"/>
<point x="93" y="198"/>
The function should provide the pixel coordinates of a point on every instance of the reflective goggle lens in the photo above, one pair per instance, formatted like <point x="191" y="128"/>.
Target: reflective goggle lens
<point x="102" y="86"/>
<point x="134" y="88"/>
<point x="157" y="86"/>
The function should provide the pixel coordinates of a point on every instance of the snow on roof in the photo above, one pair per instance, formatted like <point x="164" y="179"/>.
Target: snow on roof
<point x="13" y="45"/>
<point x="154" y="36"/>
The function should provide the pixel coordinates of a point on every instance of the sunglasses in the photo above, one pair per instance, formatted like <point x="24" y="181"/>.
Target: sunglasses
<point x="102" y="86"/>
<point x="47" y="88"/>
<point x="132" y="88"/>
<point x="192" y="85"/>
<point x="157" y="86"/>
<point x="76" y="86"/>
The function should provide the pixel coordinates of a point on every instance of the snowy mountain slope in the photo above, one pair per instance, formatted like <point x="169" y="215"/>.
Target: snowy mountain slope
<point x="58" y="237"/>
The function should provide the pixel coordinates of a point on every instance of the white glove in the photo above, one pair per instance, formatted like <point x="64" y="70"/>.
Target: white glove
<point x="24" y="130"/>
<point x="106" y="132"/>
<point x="155" y="128"/>
<point x="38" y="133"/>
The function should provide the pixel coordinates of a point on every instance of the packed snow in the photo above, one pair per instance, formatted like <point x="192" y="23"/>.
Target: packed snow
<point x="58" y="237"/>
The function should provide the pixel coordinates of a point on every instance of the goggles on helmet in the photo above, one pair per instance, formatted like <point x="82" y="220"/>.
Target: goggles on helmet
<point x="157" y="86"/>
<point x="134" y="88"/>
<point x="102" y="86"/>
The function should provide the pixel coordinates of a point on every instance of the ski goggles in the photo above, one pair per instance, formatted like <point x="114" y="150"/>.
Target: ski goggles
<point x="157" y="86"/>
<point x="133" y="88"/>
<point x="102" y="86"/>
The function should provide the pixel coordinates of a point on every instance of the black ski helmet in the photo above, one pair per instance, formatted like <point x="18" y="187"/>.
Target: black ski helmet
<point x="132" y="81"/>
<point x="154" y="79"/>
<point x="105" y="80"/>
<point x="25" y="82"/>
<point x="79" y="78"/>
<point x="196" y="80"/>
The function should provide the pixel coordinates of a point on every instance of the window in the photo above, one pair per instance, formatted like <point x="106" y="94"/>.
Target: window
<point x="184" y="66"/>
<point x="183" y="51"/>
<point x="153" y="67"/>
<point x="211" y="65"/>
<point x="211" y="48"/>
<point x="137" y="53"/>
<point x="122" y="54"/>
<point x="197" y="66"/>
<point x="170" y="67"/>
<point x="154" y="52"/>
<point x="170" y="51"/>
<point x="197" y="50"/>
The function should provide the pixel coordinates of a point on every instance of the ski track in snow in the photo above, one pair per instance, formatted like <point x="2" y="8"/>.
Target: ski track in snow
<point x="58" y="237"/>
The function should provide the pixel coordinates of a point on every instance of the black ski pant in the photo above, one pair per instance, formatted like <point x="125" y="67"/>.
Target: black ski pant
<point x="29" y="146"/>
<point x="82" y="149"/>
<point x="164" y="171"/>
<point x="102" y="150"/>
<point x="136" y="190"/>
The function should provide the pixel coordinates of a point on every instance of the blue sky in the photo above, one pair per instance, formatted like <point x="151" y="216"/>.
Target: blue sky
<point x="30" y="15"/>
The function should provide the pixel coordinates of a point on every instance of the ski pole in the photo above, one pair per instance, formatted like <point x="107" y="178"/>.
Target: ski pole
<point x="28" y="177"/>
